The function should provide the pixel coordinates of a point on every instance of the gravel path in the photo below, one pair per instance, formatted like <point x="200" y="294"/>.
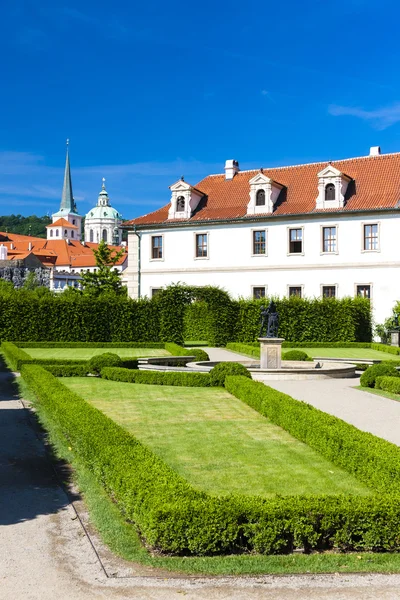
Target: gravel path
<point x="369" y="412"/>
<point x="46" y="554"/>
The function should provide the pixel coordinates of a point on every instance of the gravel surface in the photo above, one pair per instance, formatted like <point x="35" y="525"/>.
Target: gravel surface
<point x="45" y="553"/>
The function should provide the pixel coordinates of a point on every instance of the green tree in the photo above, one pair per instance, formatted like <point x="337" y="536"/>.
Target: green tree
<point x="106" y="279"/>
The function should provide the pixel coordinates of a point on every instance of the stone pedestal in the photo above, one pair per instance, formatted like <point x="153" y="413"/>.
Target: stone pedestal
<point x="395" y="337"/>
<point x="271" y="353"/>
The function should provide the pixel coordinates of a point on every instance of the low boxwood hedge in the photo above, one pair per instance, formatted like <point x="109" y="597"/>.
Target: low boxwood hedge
<point x="175" y="518"/>
<point x="68" y="370"/>
<point x="176" y="350"/>
<point x="219" y="373"/>
<point x="249" y="349"/>
<point x="296" y="355"/>
<point x="108" y="359"/>
<point x="188" y="379"/>
<point x="369" y="376"/>
<point x="388" y="384"/>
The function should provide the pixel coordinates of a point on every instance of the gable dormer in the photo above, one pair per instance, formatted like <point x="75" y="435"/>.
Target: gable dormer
<point x="184" y="200"/>
<point x="332" y="187"/>
<point x="264" y="193"/>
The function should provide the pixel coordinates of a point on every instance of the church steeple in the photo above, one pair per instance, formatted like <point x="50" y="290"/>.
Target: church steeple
<point x="67" y="199"/>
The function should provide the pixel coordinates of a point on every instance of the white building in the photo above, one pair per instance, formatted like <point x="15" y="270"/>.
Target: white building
<point x="320" y="229"/>
<point x="103" y="222"/>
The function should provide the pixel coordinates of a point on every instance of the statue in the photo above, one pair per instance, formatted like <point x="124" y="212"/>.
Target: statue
<point x="395" y="321"/>
<point x="269" y="320"/>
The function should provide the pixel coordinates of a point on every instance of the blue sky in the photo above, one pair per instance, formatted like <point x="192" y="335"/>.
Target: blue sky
<point x="151" y="91"/>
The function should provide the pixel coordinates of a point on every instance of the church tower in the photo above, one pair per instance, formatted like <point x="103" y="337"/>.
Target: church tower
<point x="67" y="224"/>
<point x="103" y="222"/>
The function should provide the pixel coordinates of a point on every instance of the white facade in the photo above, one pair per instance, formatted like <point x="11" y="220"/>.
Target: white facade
<point x="232" y="264"/>
<point x="103" y="222"/>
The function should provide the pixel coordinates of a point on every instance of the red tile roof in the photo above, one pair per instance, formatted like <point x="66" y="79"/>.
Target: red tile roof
<point x="53" y="252"/>
<point x="375" y="185"/>
<point x="62" y="223"/>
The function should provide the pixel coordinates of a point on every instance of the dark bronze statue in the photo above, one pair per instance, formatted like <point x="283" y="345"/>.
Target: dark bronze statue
<point x="269" y="320"/>
<point x="395" y="321"/>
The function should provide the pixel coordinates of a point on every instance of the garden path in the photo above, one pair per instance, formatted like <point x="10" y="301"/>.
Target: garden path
<point x="339" y="397"/>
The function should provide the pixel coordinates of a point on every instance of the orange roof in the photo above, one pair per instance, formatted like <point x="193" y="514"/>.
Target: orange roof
<point x="62" y="223"/>
<point x="50" y="252"/>
<point x="374" y="185"/>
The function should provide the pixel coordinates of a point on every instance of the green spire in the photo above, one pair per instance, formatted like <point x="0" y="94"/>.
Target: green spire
<point x="67" y="200"/>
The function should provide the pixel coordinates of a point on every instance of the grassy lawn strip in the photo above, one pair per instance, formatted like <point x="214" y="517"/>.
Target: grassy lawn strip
<point x="379" y="392"/>
<point x="87" y="353"/>
<point x="123" y="540"/>
<point x="215" y="441"/>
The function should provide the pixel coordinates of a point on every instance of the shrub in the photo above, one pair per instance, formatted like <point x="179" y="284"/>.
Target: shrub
<point x="247" y="349"/>
<point x="108" y="359"/>
<point x="361" y="366"/>
<point x="188" y="379"/>
<point x="67" y="370"/>
<point x="388" y="384"/>
<point x="220" y="371"/>
<point x="296" y="355"/>
<point x="384" y="368"/>
<point x="177" y="350"/>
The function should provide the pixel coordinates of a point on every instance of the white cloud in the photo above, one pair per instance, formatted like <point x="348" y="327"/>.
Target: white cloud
<point x="380" y="119"/>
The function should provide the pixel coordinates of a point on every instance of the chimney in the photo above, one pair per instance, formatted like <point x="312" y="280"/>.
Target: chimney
<point x="375" y="151"/>
<point x="3" y="252"/>
<point x="30" y="246"/>
<point x="11" y="246"/>
<point x="231" y="168"/>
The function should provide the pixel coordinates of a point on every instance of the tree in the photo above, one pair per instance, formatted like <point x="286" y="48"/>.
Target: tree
<point x="106" y="278"/>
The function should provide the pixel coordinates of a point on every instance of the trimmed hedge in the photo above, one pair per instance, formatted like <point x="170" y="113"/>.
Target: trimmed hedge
<point x="157" y="377"/>
<point x="175" y="518"/>
<point x="68" y="370"/>
<point x="90" y="344"/>
<point x="223" y="369"/>
<point x="296" y="355"/>
<point x="369" y="376"/>
<point x="247" y="349"/>
<point x="388" y="384"/>
<point x="108" y="359"/>
<point x="15" y="356"/>
<point x="177" y="350"/>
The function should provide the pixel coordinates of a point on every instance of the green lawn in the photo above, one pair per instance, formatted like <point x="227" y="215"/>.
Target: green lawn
<point x="346" y="353"/>
<point x="215" y="441"/>
<point x="87" y="353"/>
<point x="383" y="393"/>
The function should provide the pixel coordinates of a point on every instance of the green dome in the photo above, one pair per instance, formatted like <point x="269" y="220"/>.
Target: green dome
<point x="103" y="212"/>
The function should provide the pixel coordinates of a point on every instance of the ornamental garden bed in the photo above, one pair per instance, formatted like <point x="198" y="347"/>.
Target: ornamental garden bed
<point x="367" y="351"/>
<point x="140" y="449"/>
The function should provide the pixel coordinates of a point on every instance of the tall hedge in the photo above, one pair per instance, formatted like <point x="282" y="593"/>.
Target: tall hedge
<point x="177" y="313"/>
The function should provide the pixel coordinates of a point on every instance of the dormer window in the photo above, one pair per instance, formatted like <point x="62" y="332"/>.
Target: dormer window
<point x="330" y="192"/>
<point x="332" y="187"/>
<point x="180" y="204"/>
<point x="260" y="198"/>
<point x="264" y="192"/>
<point x="184" y="200"/>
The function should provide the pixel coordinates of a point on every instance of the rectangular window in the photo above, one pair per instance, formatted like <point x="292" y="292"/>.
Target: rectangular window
<point x="295" y="241"/>
<point x="258" y="292"/>
<point x="371" y="237"/>
<point x="329" y="291"/>
<point x="295" y="291"/>
<point x="364" y="291"/>
<point x="329" y="239"/>
<point x="155" y="291"/>
<point x="201" y="245"/>
<point x="156" y="246"/>
<point x="259" y="242"/>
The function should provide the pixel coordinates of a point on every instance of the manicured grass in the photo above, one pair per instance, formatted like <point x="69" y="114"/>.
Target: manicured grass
<point x="346" y="353"/>
<point x="87" y="353"/>
<point x="215" y="441"/>
<point x="379" y="392"/>
<point x="123" y="540"/>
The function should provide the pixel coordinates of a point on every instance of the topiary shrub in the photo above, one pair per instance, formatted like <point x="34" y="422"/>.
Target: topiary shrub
<point x="199" y="354"/>
<point x="220" y="371"/>
<point x="108" y="359"/>
<point x="388" y="384"/>
<point x="296" y="355"/>
<point x="369" y="376"/>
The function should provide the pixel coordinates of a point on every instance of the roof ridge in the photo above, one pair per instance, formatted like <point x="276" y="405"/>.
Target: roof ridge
<point x="319" y="162"/>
